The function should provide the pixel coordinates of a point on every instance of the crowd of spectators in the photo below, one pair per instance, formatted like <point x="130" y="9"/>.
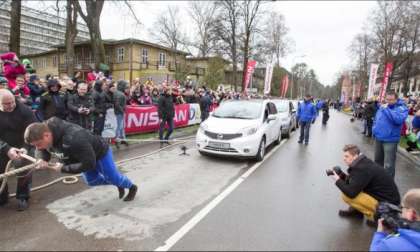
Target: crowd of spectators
<point x="84" y="101"/>
<point x="410" y="131"/>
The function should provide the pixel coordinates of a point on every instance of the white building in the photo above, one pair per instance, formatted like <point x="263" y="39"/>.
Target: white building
<point x="39" y="30"/>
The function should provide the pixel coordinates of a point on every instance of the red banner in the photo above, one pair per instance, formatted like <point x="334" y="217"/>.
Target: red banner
<point x="387" y="73"/>
<point x="146" y="119"/>
<point x="284" y="86"/>
<point x="249" y="70"/>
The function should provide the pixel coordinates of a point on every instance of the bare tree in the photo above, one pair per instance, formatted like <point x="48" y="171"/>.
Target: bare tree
<point x="167" y="31"/>
<point x="250" y="11"/>
<point x="226" y="32"/>
<point x="411" y="33"/>
<point x="92" y="20"/>
<point x="387" y="22"/>
<point x="203" y="14"/>
<point x="15" y="13"/>
<point x="71" y="34"/>
<point x="361" y="49"/>
<point x="274" y="39"/>
<point x="299" y="73"/>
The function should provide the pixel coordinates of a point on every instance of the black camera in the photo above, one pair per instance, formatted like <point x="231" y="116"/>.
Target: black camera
<point x="338" y="171"/>
<point x="392" y="220"/>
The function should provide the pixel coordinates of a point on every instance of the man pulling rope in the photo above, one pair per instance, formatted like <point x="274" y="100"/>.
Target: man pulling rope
<point x="79" y="151"/>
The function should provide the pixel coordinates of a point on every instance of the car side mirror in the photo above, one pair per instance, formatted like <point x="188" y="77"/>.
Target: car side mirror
<point x="271" y="118"/>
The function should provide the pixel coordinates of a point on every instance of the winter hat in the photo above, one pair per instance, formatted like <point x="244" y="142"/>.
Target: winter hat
<point x="8" y="56"/>
<point x="53" y="82"/>
<point x="32" y="78"/>
<point x="3" y="81"/>
<point x="416" y="122"/>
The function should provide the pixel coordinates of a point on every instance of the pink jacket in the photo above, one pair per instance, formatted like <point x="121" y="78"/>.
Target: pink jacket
<point x="11" y="70"/>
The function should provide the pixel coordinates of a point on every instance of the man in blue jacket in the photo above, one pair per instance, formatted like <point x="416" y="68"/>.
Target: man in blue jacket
<point x="387" y="131"/>
<point x="404" y="239"/>
<point x="306" y="114"/>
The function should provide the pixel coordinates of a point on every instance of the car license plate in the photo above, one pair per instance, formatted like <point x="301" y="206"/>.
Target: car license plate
<point x="219" y="145"/>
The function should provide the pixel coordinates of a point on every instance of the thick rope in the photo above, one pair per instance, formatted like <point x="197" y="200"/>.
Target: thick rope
<point x="68" y="180"/>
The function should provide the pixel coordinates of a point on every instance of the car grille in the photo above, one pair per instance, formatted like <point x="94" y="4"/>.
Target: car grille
<point x="230" y="150"/>
<point x="222" y="136"/>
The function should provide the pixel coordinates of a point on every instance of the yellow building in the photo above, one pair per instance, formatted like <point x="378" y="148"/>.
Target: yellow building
<point x="127" y="59"/>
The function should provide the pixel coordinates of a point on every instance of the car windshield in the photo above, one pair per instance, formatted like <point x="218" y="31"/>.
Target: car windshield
<point x="239" y="110"/>
<point x="282" y="106"/>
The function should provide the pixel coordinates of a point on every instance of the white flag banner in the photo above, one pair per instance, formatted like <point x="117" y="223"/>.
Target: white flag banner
<point x="268" y="76"/>
<point x="372" y="79"/>
<point x="110" y="124"/>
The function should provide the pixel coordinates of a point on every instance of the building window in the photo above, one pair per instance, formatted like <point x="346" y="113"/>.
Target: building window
<point x="144" y="56"/>
<point x="120" y="54"/>
<point x="44" y="63"/>
<point x="54" y="60"/>
<point x="162" y="59"/>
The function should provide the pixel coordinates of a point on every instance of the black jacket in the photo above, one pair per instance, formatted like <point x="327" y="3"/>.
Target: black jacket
<point x="53" y="104"/>
<point x="78" y="148"/>
<point x="74" y="103"/>
<point x="120" y="102"/>
<point x="13" y="125"/>
<point x="370" y="110"/>
<point x="166" y="109"/>
<point x="368" y="177"/>
<point x="100" y="101"/>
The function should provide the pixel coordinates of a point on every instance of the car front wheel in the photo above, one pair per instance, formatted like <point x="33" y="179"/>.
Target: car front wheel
<point x="261" y="151"/>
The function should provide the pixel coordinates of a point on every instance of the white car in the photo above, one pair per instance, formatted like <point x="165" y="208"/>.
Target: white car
<point x="287" y="115"/>
<point x="241" y="128"/>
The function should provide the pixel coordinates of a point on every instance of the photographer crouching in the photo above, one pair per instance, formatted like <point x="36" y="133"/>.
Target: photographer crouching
<point x="398" y="227"/>
<point x="365" y="186"/>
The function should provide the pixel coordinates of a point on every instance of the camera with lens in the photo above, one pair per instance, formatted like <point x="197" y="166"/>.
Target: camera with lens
<point x="392" y="220"/>
<point x="338" y="171"/>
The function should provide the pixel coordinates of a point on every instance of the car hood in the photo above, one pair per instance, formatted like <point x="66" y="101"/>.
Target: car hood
<point x="283" y="115"/>
<point x="229" y="125"/>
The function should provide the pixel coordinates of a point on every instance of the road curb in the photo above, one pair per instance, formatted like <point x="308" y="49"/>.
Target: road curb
<point x="409" y="156"/>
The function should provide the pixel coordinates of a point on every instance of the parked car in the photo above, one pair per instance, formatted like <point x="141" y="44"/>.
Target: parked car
<point x="240" y="128"/>
<point x="296" y="106"/>
<point x="287" y="115"/>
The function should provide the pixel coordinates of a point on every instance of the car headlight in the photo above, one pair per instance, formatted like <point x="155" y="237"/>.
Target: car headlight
<point x="203" y="127"/>
<point x="250" y="131"/>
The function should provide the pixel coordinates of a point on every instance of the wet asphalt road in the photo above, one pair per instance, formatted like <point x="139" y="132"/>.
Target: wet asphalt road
<point x="286" y="204"/>
<point x="290" y="204"/>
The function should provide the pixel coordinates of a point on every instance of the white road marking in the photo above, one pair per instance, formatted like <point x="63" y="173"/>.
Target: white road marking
<point x="209" y="207"/>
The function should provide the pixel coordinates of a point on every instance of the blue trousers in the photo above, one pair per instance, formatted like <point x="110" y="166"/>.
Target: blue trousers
<point x="304" y="131"/>
<point x="120" y="134"/>
<point x="171" y="126"/>
<point x="386" y="155"/>
<point x="106" y="173"/>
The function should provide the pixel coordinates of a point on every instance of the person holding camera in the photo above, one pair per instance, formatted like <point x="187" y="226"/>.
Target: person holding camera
<point x="366" y="184"/>
<point x="81" y="106"/>
<point x="405" y="238"/>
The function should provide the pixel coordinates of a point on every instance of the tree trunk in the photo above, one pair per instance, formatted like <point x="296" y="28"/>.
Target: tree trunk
<point x="246" y="49"/>
<point x="14" y="42"/>
<point x="92" y="19"/>
<point x="71" y="33"/>
<point x="96" y="43"/>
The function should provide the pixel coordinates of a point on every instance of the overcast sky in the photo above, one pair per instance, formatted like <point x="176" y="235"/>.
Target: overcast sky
<point x="322" y="30"/>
